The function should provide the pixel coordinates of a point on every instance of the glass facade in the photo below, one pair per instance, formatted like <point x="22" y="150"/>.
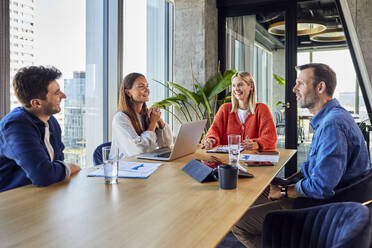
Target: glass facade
<point x="153" y="38"/>
<point x="22" y="18"/>
<point x="74" y="119"/>
<point x="82" y="47"/>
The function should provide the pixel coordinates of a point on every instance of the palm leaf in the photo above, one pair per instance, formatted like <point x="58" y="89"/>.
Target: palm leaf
<point x="277" y="103"/>
<point x="191" y="95"/>
<point x="279" y="79"/>
<point x="205" y="101"/>
<point x="227" y="98"/>
<point x="167" y="103"/>
<point x="178" y="97"/>
<point x="223" y="84"/>
<point x="212" y="83"/>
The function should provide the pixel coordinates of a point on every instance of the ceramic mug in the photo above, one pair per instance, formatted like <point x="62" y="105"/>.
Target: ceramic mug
<point x="227" y="176"/>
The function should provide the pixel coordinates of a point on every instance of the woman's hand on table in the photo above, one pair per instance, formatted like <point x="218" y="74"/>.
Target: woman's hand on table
<point x="249" y="144"/>
<point x="209" y="143"/>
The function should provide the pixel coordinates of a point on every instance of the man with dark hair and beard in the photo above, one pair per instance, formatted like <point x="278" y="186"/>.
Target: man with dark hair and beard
<point x="31" y="150"/>
<point x="337" y="157"/>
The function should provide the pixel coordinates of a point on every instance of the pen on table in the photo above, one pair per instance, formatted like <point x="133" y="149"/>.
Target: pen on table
<point x="244" y="156"/>
<point x="242" y="168"/>
<point x="137" y="167"/>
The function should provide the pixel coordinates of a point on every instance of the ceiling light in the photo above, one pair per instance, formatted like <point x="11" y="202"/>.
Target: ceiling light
<point x="304" y="27"/>
<point x="329" y="35"/>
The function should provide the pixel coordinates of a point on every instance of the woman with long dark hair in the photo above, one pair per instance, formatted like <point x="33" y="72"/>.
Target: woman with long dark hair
<point x="135" y="128"/>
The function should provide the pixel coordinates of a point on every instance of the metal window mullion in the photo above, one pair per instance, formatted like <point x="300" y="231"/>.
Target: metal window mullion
<point x="105" y="69"/>
<point x="4" y="59"/>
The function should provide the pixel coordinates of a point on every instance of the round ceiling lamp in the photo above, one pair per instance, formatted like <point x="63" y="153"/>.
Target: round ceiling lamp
<point x="304" y="27"/>
<point x="329" y="35"/>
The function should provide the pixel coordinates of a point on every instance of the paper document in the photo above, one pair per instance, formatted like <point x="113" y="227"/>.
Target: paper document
<point x="222" y="149"/>
<point x="259" y="158"/>
<point x="130" y="170"/>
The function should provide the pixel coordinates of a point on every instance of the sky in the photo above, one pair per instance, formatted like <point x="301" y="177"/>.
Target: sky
<point x="60" y="35"/>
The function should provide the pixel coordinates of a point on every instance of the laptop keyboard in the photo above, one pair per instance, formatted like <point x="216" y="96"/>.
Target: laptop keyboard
<point x="164" y="155"/>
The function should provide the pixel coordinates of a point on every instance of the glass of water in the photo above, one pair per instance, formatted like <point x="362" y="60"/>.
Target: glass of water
<point x="234" y="148"/>
<point x="110" y="160"/>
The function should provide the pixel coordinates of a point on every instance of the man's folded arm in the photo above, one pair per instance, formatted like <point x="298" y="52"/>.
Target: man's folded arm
<point x="331" y="160"/>
<point x="27" y="150"/>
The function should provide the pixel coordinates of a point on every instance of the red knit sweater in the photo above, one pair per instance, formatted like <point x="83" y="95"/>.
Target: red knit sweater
<point x="259" y="127"/>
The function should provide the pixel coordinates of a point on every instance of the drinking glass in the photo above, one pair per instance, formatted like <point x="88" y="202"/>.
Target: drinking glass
<point x="110" y="160"/>
<point x="234" y="148"/>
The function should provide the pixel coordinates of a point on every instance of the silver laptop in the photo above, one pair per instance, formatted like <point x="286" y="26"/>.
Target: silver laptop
<point x="187" y="141"/>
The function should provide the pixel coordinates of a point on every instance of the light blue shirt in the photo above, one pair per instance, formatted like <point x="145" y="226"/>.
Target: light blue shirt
<point x="337" y="156"/>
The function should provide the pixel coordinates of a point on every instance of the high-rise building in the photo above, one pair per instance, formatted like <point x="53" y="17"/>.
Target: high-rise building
<point x="74" y="113"/>
<point x="22" y="37"/>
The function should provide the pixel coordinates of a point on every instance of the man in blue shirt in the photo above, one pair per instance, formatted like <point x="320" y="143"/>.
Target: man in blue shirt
<point x="31" y="150"/>
<point x="337" y="156"/>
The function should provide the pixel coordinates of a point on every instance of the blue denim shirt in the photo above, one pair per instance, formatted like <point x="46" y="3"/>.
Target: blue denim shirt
<point x="24" y="158"/>
<point x="337" y="156"/>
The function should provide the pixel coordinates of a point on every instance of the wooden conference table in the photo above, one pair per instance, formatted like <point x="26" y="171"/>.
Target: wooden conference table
<point x="169" y="209"/>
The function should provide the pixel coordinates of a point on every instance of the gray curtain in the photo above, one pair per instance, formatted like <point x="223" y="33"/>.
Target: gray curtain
<point x="4" y="58"/>
<point x="240" y="37"/>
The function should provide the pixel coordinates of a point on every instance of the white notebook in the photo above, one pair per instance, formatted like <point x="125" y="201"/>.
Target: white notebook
<point x="222" y="149"/>
<point x="130" y="170"/>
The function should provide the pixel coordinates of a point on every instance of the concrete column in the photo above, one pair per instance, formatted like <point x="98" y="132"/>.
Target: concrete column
<point x="362" y="19"/>
<point x="195" y="41"/>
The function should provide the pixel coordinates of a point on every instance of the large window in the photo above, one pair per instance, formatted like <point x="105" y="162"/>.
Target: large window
<point x="148" y="44"/>
<point x="262" y="73"/>
<point x="40" y="34"/>
<point x="244" y="53"/>
<point x="81" y="38"/>
<point x="347" y="90"/>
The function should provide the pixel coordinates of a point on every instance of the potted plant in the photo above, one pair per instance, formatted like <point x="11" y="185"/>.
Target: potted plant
<point x="201" y="102"/>
<point x="281" y="81"/>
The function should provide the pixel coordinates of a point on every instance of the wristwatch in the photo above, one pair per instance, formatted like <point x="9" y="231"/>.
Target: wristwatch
<point x="284" y="191"/>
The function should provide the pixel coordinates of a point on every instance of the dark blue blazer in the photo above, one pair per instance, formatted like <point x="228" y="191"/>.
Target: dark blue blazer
<point x="24" y="158"/>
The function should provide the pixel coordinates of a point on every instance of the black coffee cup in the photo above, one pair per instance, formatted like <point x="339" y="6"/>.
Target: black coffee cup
<point x="227" y="176"/>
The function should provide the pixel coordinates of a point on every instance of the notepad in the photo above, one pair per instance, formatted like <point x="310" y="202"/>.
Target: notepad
<point x="130" y="170"/>
<point x="222" y="149"/>
<point x="259" y="158"/>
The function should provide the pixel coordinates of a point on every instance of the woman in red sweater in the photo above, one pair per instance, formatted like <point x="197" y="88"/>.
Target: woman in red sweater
<point x="253" y="121"/>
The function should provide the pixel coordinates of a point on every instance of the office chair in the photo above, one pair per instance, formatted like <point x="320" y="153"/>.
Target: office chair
<point x="359" y="191"/>
<point x="341" y="225"/>
<point x="279" y="121"/>
<point x="97" y="154"/>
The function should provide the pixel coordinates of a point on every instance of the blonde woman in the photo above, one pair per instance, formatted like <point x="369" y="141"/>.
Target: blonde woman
<point x="253" y="121"/>
<point x="135" y="128"/>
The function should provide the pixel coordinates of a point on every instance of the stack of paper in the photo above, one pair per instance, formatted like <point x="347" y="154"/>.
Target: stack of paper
<point x="222" y="149"/>
<point x="130" y="170"/>
<point x="259" y="158"/>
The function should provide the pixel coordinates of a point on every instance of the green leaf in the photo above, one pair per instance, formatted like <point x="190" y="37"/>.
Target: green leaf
<point x="222" y="84"/>
<point x="162" y="104"/>
<point x="227" y="98"/>
<point x="279" y="79"/>
<point x="205" y="101"/>
<point x="212" y="83"/>
<point x="166" y="103"/>
<point x="191" y="95"/>
<point x="178" y="97"/>
<point x="229" y="73"/>
<point x="277" y="103"/>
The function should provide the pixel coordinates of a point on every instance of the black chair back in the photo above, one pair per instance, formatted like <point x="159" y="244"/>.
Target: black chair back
<point x="359" y="191"/>
<point x="339" y="225"/>
<point x="97" y="154"/>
